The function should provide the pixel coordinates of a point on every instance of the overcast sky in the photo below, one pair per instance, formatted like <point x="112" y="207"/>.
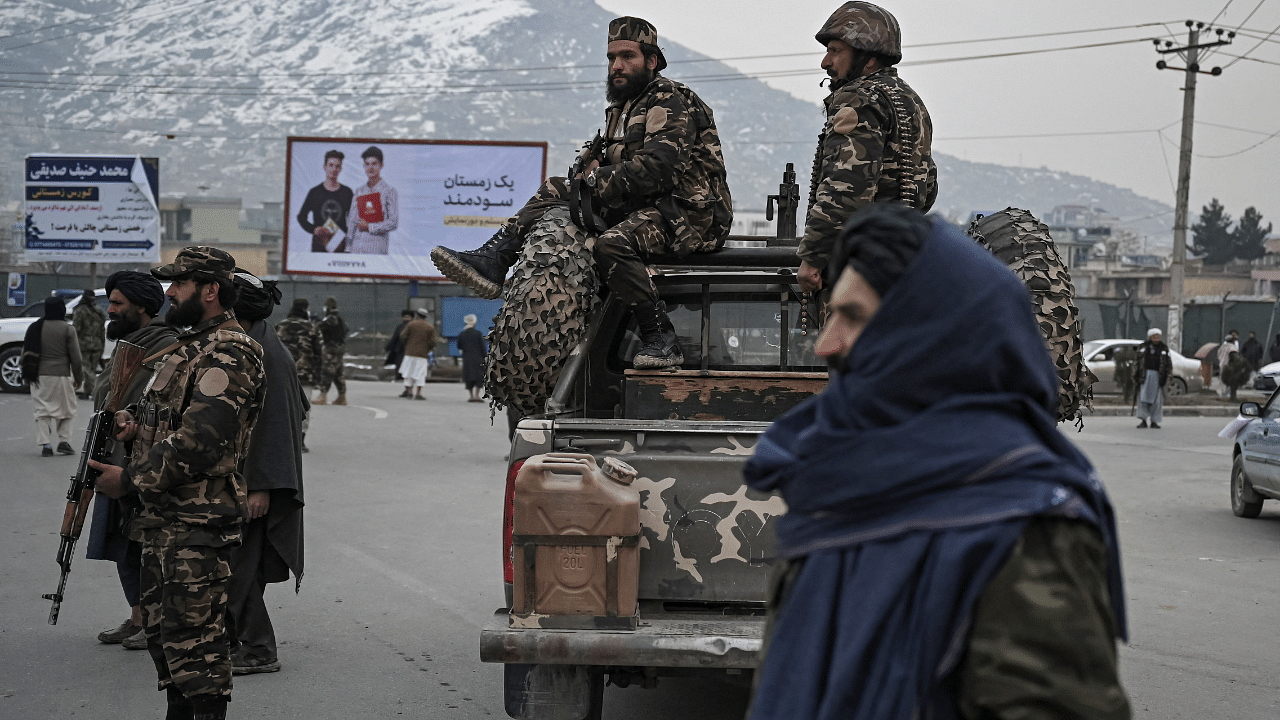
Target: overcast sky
<point x="1113" y="89"/>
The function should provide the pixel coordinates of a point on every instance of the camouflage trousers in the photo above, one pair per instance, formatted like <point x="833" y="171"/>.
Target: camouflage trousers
<point x="619" y="251"/>
<point x="306" y="370"/>
<point x="331" y="369"/>
<point x="184" y="605"/>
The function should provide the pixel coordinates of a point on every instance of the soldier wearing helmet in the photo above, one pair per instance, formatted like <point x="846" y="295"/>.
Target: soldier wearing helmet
<point x="875" y="144"/>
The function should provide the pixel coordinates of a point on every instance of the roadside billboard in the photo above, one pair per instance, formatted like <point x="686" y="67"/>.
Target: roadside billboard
<point x="375" y="208"/>
<point x="92" y="208"/>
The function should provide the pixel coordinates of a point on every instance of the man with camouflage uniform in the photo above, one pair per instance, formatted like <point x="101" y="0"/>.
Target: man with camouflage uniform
<point x="333" y="331"/>
<point x="189" y="436"/>
<point x="90" y="325"/>
<point x="659" y="187"/>
<point x="302" y="338"/>
<point x="875" y="145"/>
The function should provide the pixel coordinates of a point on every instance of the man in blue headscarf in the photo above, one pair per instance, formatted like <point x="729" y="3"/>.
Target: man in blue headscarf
<point x="948" y="553"/>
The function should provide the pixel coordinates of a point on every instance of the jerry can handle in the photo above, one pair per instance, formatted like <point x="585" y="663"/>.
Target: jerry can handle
<point x="537" y="468"/>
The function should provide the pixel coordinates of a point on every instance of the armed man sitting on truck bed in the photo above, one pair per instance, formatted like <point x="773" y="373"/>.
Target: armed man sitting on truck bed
<point x="875" y="145"/>
<point x="658" y="186"/>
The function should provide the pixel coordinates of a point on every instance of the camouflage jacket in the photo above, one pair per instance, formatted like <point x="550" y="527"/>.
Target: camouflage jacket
<point x="194" y="423"/>
<point x="663" y="152"/>
<point x="865" y="154"/>
<point x="332" y="329"/>
<point x="90" y="324"/>
<point x="301" y="337"/>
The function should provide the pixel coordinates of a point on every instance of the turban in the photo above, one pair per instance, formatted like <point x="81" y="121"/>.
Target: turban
<point x="879" y="242"/>
<point x="141" y="289"/>
<point x="256" y="297"/>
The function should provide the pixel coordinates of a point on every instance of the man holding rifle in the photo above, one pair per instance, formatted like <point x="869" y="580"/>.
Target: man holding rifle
<point x="190" y="433"/>
<point x="656" y="180"/>
<point x="133" y="301"/>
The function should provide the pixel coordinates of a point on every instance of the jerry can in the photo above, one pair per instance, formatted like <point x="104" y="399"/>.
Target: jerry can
<point x="575" y="543"/>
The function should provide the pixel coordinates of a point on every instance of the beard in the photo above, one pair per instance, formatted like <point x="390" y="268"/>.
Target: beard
<point x="122" y="324"/>
<point x="629" y="90"/>
<point x="185" y="314"/>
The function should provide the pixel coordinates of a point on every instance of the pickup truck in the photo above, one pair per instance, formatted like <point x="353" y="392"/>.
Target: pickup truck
<point x="706" y="540"/>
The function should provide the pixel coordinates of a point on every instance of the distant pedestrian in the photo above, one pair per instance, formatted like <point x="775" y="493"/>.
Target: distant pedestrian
<point x="302" y="338"/>
<point x="471" y="345"/>
<point x="90" y="323"/>
<point x="395" y="346"/>
<point x="419" y="338"/>
<point x="50" y="361"/>
<point x="1252" y="351"/>
<point x="334" y="333"/>
<point x="1126" y="358"/>
<point x="1150" y="375"/>
<point x="1229" y="345"/>
<point x="1274" y="351"/>
<point x="1235" y="373"/>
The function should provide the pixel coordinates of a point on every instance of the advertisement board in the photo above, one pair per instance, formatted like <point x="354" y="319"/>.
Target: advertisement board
<point x="375" y="208"/>
<point x="92" y="208"/>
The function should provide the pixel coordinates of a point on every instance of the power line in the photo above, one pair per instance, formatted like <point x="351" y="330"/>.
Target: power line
<point x="1224" y="9"/>
<point x="1255" y="47"/>
<point x="104" y="27"/>
<point x="83" y="19"/>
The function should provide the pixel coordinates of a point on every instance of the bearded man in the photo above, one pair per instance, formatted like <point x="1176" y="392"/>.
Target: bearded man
<point x="875" y="145"/>
<point x="190" y="435"/>
<point x="659" y="186"/>
<point x="133" y="302"/>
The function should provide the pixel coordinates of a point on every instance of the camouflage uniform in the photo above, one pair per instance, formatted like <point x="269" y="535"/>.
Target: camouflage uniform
<point x="90" y="325"/>
<point x="194" y="422"/>
<point x="875" y="144"/>
<point x="333" y="331"/>
<point x="302" y="338"/>
<point x="661" y="187"/>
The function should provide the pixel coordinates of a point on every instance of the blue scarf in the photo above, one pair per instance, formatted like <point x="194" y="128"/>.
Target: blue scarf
<point x="929" y="450"/>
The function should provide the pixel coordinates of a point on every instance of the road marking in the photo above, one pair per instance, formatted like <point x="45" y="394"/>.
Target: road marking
<point x="378" y="413"/>
<point x="1222" y="450"/>
<point x="462" y="611"/>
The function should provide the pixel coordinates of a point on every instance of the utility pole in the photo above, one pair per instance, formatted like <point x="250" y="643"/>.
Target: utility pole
<point x="1190" y="54"/>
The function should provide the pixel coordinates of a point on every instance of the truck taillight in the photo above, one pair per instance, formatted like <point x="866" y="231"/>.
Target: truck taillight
<point x="508" y="517"/>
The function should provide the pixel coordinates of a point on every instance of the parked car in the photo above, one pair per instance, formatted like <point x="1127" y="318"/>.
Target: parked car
<point x="13" y="330"/>
<point x="1266" y="377"/>
<point x="1099" y="355"/>
<point x="1255" y="461"/>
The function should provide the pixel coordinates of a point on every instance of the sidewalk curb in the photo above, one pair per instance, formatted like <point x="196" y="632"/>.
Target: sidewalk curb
<point x="1169" y="410"/>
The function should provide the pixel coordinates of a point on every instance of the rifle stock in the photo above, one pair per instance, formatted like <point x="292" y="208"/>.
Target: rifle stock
<point x="581" y="211"/>
<point x="98" y="439"/>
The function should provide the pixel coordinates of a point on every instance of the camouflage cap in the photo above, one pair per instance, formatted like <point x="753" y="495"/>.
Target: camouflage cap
<point x="198" y="258"/>
<point x="863" y="26"/>
<point x="638" y="30"/>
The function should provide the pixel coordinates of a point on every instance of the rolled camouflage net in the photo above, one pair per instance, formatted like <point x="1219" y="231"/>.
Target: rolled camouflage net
<point x="545" y="305"/>
<point x="1023" y="243"/>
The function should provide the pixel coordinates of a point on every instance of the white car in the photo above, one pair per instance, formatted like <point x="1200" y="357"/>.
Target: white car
<point x="13" y="330"/>
<point x="1099" y="355"/>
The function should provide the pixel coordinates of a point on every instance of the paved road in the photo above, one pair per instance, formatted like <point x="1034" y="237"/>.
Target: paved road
<point x="403" y="552"/>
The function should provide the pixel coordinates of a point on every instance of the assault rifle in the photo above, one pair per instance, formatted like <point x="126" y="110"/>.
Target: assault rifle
<point x="581" y="210"/>
<point x="98" y="442"/>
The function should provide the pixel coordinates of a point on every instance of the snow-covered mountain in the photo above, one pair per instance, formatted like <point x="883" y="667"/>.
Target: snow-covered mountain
<point x="213" y="88"/>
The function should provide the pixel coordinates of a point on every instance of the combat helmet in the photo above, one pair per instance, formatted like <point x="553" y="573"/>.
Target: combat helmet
<point x="863" y="26"/>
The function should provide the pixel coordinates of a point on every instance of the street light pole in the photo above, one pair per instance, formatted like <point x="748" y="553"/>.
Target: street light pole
<point x="1177" y="270"/>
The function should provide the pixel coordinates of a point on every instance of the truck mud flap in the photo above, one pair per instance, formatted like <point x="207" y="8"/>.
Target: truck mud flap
<point x="553" y="692"/>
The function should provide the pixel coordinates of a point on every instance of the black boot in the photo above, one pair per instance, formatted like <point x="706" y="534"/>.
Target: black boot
<point x="206" y="707"/>
<point x="179" y="706"/>
<point x="660" y="348"/>
<point x="483" y="269"/>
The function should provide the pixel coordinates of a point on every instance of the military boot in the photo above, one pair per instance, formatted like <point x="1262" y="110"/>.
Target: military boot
<point x="659" y="346"/>
<point x="341" y="399"/>
<point x="483" y="269"/>
<point x="179" y="706"/>
<point x="323" y="399"/>
<point x="204" y="707"/>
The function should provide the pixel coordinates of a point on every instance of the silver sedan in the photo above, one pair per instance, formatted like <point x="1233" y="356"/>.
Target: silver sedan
<point x="1099" y="355"/>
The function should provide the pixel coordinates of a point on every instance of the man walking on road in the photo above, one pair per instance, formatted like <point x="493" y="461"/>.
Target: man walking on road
<point x="333" y="333"/>
<point x="876" y="143"/>
<point x="419" y="338"/>
<point x="189" y="435"/>
<point x="980" y="579"/>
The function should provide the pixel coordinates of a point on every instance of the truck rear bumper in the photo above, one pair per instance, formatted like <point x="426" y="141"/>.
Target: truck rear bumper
<point x="673" y="640"/>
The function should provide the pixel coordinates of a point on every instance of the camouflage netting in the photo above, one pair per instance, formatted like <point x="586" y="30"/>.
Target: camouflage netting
<point x="1023" y="243"/>
<point x="545" y="304"/>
